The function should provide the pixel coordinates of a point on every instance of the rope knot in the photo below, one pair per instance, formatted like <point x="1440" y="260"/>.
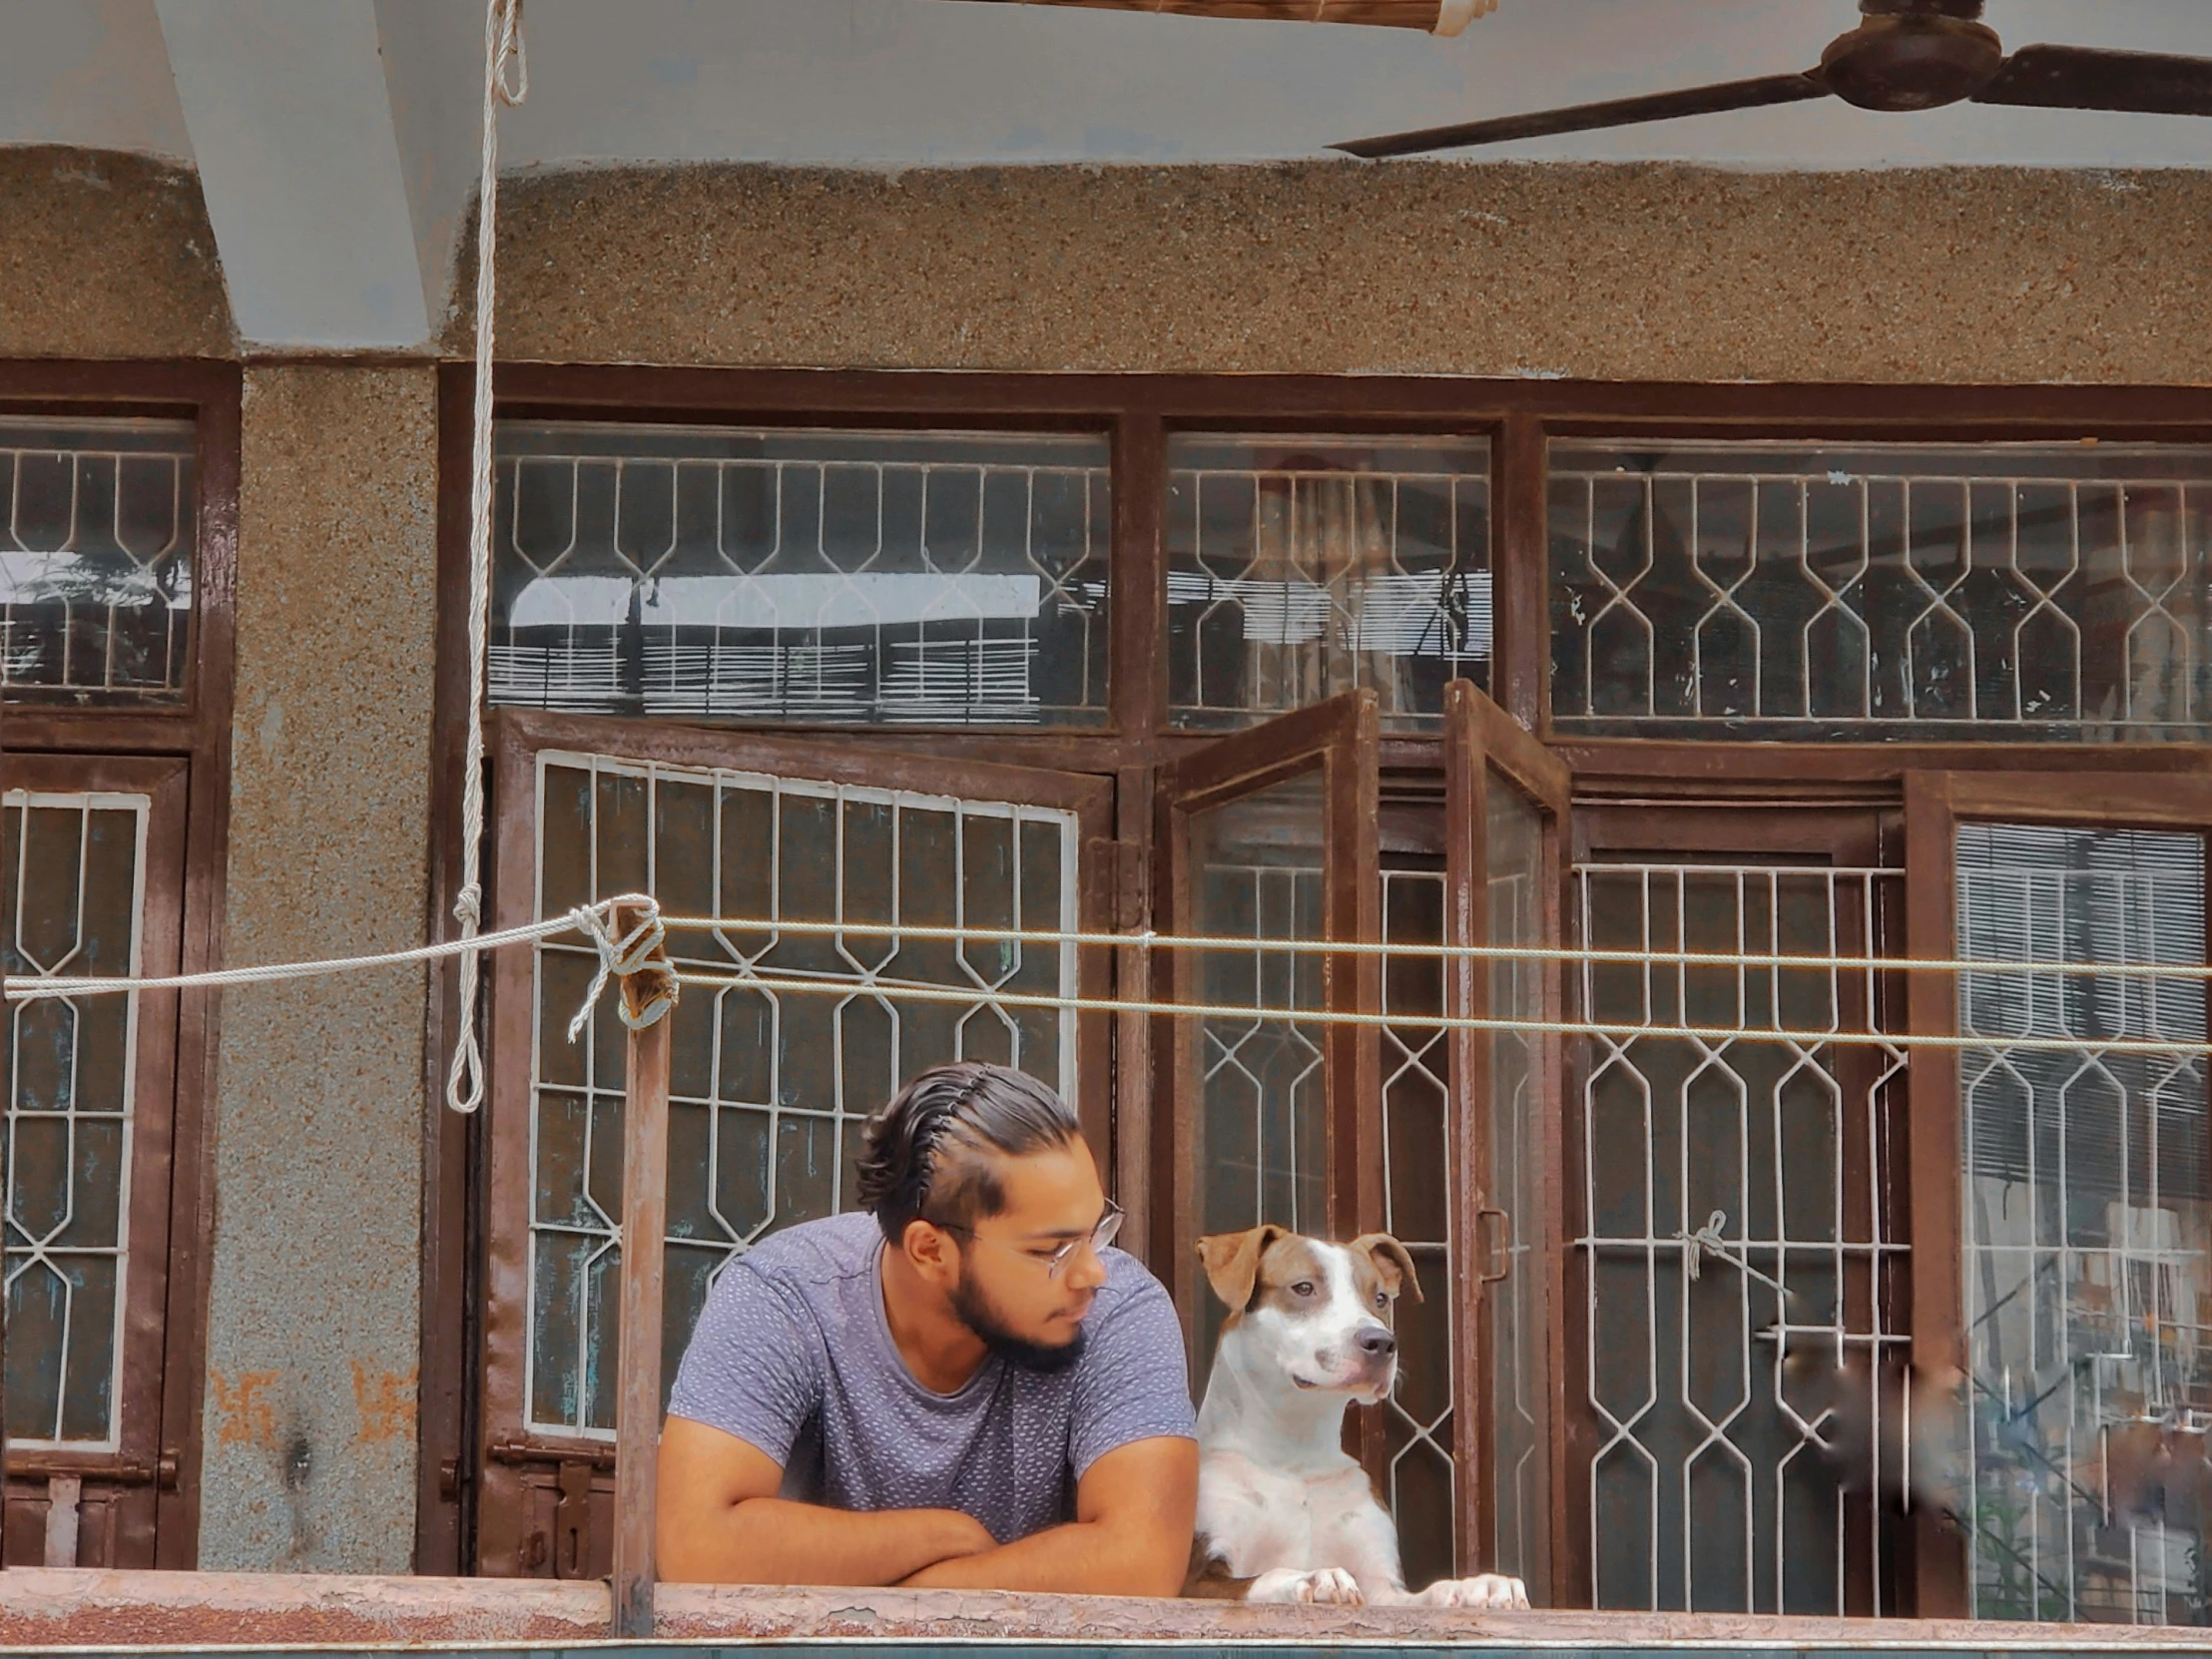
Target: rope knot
<point x="633" y="947"/>
<point x="1699" y="1243"/>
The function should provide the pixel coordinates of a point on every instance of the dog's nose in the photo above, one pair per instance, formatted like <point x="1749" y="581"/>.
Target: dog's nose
<point x="1376" y="1343"/>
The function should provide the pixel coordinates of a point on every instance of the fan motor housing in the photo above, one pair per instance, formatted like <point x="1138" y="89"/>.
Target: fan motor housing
<point x="1919" y="60"/>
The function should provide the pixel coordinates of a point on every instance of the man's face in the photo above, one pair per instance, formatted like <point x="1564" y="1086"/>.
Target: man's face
<point x="1006" y="1291"/>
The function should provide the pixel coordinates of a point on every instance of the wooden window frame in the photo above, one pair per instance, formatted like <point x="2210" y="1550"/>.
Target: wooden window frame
<point x="181" y="750"/>
<point x="522" y="1463"/>
<point x="1138" y="745"/>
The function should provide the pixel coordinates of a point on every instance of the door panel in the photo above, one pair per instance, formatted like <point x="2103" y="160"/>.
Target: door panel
<point x="2068" y="1181"/>
<point x="1738" y="1281"/>
<point x="769" y="1087"/>
<point x="93" y="868"/>
<point x="1508" y="803"/>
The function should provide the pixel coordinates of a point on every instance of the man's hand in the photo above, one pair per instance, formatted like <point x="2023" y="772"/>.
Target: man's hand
<point x="720" y="1522"/>
<point x="1134" y="1510"/>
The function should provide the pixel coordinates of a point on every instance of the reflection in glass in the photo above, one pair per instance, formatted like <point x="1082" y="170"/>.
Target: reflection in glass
<point x="865" y="578"/>
<point x="2088" y="1223"/>
<point x="69" y="908"/>
<point x="768" y="1089"/>
<point x="98" y="521"/>
<point x="1991" y="592"/>
<point x="1301" y="567"/>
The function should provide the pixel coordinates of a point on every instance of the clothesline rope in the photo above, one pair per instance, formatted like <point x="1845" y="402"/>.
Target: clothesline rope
<point x="506" y="80"/>
<point x="1477" y="953"/>
<point x="621" y="957"/>
<point x="971" y="995"/>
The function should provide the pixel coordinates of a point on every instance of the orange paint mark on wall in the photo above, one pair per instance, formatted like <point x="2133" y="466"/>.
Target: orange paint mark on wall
<point x="386" y="1401"/>
<point x="247" y="1417"/>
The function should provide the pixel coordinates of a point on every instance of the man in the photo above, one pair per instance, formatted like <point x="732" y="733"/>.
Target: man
<point x="970" y="1390"/>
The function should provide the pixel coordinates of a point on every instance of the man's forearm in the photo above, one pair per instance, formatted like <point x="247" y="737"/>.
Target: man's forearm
<point x="1081" y="1558"/>
<point x="768" y="1540"/>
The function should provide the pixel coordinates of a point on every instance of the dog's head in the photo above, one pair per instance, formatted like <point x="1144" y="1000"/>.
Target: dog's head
<point x="1320" y="1313"/>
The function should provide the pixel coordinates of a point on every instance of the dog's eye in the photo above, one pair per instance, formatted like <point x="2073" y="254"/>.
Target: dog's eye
<point x="1382" y="1301"/>
<point x="1305" y="1286"/>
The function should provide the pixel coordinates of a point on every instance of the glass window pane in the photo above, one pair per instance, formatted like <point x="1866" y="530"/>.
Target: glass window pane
<point x="2088" y="1227"/>
<point x="863" y="578"/>
<point x="1519" y="1315"/>
<point x="2000" y="591"/>
<point x="768" y="1088"/>
<point x="97" y="520"/>
<point x="71" y="869"/>
<point x="1300" y="567"/>
<point x="1255" y="873"/>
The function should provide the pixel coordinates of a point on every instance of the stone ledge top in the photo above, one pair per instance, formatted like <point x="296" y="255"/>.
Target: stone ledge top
<point x="50" y="1608"/>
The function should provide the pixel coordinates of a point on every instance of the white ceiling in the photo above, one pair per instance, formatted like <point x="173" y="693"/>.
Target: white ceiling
<point x="271" y="100"/>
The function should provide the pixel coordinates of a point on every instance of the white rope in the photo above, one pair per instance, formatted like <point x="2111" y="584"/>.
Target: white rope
<point x="1618" y="1035"/>
<point x="585" y="919"/>
<point x="619" y="958"/>
<point x="1479" y="953"/>
<point x="464" y="1083"/>
<point x="1707" y="1241"/>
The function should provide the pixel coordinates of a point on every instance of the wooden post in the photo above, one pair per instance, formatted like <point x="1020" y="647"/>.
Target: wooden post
<point x="644" y="1236"/>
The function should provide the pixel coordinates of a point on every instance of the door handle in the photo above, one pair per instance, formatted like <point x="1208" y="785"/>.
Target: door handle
<point x="1501" y="1252"/>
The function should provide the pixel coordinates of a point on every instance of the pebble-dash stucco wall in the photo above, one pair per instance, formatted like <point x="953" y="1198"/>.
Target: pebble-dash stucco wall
<point x="312" y="1340"/>
<point x="1630" y="273"/>
<point x="106" y="256"/>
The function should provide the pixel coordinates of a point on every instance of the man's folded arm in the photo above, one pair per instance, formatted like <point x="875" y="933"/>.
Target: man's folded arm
<point x="1134" y="1510"/>
<point x="720" y="1522"/>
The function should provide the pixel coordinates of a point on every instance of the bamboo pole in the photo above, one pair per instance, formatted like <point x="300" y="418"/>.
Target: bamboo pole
<point x="644" y="1236"/>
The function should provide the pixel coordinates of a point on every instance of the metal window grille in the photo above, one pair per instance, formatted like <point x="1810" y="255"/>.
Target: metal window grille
<point x="1740" y="1258"/>
<point x="97" y="529"/>
<point x="1793" y="591"/>
<point x="1301" y="567"/>
<point x="2088" y="1229"/>
<point x="862" y="578"/>
<point x="74" y="905"/>
<point x="1417" y="1150"/>
<point x="767" y="1090"/>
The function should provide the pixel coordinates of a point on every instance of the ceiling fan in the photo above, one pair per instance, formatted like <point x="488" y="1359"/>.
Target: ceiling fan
<point x="1905" y="55"/>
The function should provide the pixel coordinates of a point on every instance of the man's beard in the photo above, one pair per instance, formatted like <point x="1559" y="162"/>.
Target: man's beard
<point x="980" y="1317"/>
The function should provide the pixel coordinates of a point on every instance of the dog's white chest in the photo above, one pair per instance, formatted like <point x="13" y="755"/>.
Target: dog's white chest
<point x="1259" y="1518"/>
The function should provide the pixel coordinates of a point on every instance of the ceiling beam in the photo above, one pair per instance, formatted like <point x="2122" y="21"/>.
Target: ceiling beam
<point x="292" y="126"/>
<point x="1435" y="17"/>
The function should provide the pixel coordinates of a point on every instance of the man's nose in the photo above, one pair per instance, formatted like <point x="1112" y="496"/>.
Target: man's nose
<point x="1376" y="1343"/>
<point x="1086" y="1270"/>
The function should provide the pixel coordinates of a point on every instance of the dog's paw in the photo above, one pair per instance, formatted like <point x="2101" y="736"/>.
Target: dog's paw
<point x="1323" y="1587"/>
<point x="1486" y="1591"/>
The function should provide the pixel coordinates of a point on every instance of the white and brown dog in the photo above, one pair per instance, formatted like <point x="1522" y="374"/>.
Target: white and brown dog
<point x="1283" y="1514"/>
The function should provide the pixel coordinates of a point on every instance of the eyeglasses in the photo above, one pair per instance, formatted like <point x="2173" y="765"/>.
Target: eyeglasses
<point x="1053" y="1262"/>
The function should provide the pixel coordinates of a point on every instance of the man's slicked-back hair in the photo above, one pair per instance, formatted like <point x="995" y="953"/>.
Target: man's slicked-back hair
<point x="929" y="1153"/>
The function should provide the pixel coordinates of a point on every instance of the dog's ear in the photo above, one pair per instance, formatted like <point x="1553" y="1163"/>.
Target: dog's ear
<point x="1232" y="1262"/>
<point x="1390" y="1260"/>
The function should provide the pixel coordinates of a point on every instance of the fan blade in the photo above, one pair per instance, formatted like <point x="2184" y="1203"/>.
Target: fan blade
<point x="2088" y="78"/>
<point x="1584" y="117"/>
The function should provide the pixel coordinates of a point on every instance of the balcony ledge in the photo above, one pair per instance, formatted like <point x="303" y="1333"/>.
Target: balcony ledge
<point x="49" y="1608"/>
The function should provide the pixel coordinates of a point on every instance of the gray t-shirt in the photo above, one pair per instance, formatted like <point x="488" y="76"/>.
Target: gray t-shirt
<point x="793" y="1354"/>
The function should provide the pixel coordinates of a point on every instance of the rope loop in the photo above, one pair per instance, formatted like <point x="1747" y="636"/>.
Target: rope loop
<point x="1704" y="1241"/>
<point x="510" y="61"/>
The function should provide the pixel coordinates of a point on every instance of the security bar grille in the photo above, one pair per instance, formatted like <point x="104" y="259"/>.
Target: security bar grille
<point x="1795" y="591"/>
<point x="2088" y="1222"/>
<point x="1301" y="567"/>
<point x="97" y="526"/>
<point x="767" y="1090"/>
<point x="74" y="905"/>
<point x="1740" y="1338"/>
<point x="859" y="578"/>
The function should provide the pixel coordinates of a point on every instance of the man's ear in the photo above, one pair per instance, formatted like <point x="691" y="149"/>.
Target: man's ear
<point x="1232" y="1262"/>
<point x="924" y="1247"/>
<point x="1390" y="1261"/>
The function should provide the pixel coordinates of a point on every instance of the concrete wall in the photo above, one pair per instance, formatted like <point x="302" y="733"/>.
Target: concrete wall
<point x="1633" y="273"/>
<point x="313" y="1322"/>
